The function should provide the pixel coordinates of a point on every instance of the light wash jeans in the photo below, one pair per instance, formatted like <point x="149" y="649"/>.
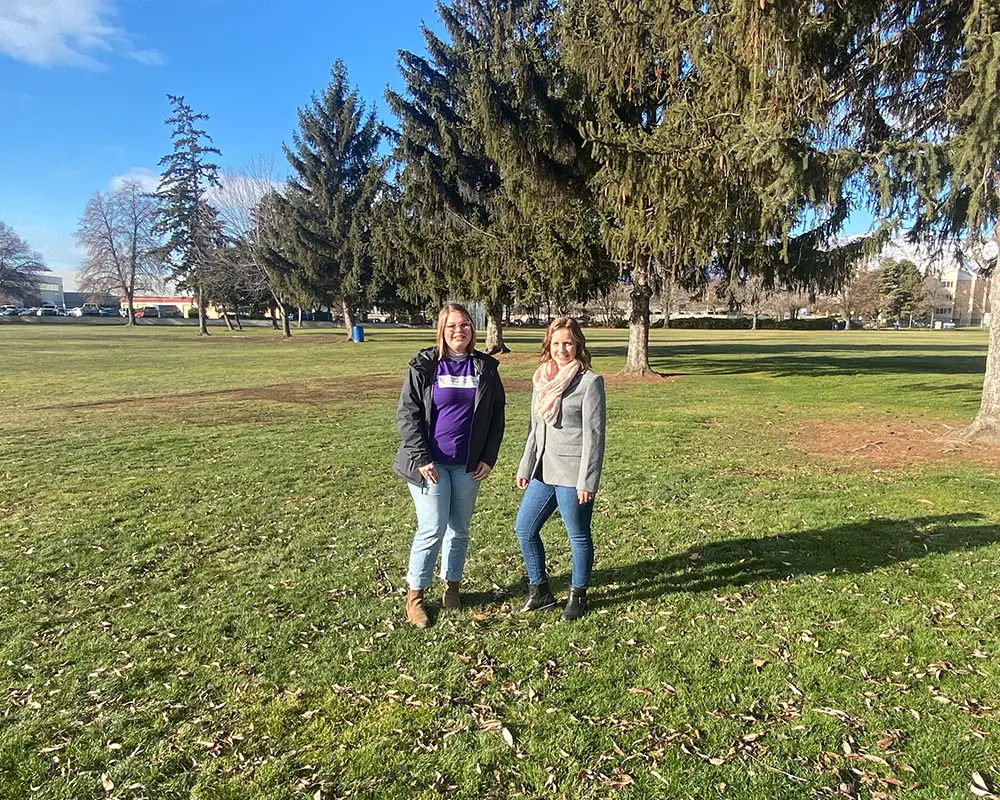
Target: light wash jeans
<point x="443" y="513"/>
<point x="539" y="501"/>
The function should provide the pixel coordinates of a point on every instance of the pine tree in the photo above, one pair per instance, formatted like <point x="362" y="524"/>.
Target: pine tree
<point x="922" y="102"/>
<point x="337" y="176"/>
<point x="184" y="214"/>
<point x="713" y="134"/>
<point x="531" y="111"/>
<point x="486" y="215"/>
<point x="452" y="227"/>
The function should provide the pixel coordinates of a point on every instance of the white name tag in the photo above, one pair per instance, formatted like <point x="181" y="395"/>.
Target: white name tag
<point x="458" y="381"/>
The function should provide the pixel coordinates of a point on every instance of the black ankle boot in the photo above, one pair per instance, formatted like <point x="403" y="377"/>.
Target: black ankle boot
<point x="539" y="597"/>
<point x="576" y="606"/>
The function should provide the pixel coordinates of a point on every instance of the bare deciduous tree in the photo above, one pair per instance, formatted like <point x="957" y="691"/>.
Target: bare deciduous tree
<point x="749" y="293"/>
<point x="250" y="217"/>
<point x="117" y="231"/>
<point x="19" y="265"/>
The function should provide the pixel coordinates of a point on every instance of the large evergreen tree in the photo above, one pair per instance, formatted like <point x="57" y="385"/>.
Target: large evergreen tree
<point x="531" y="111"/>
<point x="184" y="215"/>
<point x="713" y="134"/>
<point x="451" y="227"/>
<point x="921" y="102"/>
<point x="337" y="176"/>
<point x="493" y="169"/>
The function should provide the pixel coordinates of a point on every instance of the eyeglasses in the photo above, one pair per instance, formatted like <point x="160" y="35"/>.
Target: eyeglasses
<point x="465" y="326"/>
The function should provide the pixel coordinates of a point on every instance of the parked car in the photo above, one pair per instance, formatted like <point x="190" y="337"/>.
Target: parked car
<point x="108" y="311"/>
<point x="148" y="312"/>
<point x="169" y="312"/>
<point x="9" y="311"/>
<point x="47" y="310"/>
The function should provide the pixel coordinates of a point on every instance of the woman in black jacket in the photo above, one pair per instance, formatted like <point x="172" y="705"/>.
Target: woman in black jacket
<point x="451" y="420"/>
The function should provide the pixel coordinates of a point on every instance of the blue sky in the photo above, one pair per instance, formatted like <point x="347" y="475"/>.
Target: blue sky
<point x="83" y="87"/>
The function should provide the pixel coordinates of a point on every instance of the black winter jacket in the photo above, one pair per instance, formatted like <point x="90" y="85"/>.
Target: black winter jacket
<point x="413" y="415"/>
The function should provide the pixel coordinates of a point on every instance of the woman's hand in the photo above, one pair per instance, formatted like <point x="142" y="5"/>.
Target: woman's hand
<point x="584" y="497"/>
<point x="429" y="472"/>
<point x="522" y="483"/>
<point x="482" y="470"/>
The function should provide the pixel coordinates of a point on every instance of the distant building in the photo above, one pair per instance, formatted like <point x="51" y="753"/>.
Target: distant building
<point x="960" y="296"/>
<point x="956" y="291"/>
<point x="77" y="299"/>
<point x="187" y="305"/>
<point x="50" y="289"/>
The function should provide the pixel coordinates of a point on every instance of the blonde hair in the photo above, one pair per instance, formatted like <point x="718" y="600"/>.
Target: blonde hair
<point x="570" y="324"/>
<point x="448" y="308"/>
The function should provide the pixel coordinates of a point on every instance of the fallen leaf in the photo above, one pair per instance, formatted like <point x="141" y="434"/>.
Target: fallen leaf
<point x="108" y="784"/>
<point x="507" y="736"/>
<point x="981" y="786"/>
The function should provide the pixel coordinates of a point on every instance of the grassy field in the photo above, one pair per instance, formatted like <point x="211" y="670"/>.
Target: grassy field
<point x="202" y="552"/>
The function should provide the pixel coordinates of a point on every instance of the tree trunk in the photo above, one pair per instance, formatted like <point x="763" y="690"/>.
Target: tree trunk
<point x="668" y="299"/>
<point x="239" y="324"/>
<point x="348" y="319"/>
<point x="754" y="321"/>
<point x="637" y="359"/>
<point x="493" y="338"/>
<point x="130" y="305"/>
<point x="225" y="316"/>
<point x="202" y="318"/>
<point x="986" y="426"/>
<point x="286" y="332"/>
<point x="299" y="321"/>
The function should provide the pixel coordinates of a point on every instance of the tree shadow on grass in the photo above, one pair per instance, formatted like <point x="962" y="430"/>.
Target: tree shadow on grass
<point x="845" y="549"/>
<point x="788" y="359"/>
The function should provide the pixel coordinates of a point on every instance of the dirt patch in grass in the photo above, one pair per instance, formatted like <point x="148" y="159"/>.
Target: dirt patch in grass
<point x="340" y="390"/>
<point x="885" y="444"/>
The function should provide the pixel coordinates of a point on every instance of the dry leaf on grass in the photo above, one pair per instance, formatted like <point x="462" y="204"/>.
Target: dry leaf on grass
<point x="507" y="736"/>
<point x="981" y="786"/>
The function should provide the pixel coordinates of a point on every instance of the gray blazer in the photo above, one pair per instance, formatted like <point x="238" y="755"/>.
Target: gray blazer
<point x="570" y="452"/>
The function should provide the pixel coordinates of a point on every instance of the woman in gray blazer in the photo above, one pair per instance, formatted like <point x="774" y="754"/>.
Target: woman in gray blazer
<point x="561" y="464"/>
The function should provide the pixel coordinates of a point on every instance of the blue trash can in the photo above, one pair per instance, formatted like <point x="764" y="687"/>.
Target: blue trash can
<point x="358" y="333"/>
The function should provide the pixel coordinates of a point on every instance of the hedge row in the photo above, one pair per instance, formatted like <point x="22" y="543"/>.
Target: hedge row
<point x="745" y="323"/>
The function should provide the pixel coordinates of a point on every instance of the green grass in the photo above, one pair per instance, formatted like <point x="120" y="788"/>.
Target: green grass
<point x="202" y="551"/>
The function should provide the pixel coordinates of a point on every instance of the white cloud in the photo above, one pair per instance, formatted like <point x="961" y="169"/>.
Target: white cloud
<point x="145" y="177"/>
<point x="51" y="32"/>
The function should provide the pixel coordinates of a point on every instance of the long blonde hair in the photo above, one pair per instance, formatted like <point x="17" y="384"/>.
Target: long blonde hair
<point x="439" y="346"/>
<point x="570" y="324"/>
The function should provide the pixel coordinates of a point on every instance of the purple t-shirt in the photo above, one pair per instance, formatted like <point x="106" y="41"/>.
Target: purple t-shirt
<point x="454" y="400"/>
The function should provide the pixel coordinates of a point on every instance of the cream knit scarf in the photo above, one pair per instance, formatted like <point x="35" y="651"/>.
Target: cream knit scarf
<point x="550" y="381"/>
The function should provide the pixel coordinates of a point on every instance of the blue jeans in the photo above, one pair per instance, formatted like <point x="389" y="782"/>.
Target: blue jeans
<point x="443" y="513"/>
<point x="539" y="501"/>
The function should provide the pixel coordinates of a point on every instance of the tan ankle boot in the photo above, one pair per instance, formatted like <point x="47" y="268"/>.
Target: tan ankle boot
<point x="416" y="614"/>
<point x="451" y="598"/>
